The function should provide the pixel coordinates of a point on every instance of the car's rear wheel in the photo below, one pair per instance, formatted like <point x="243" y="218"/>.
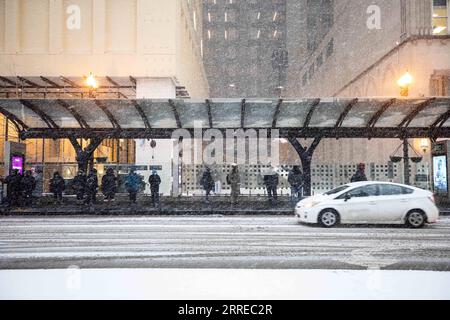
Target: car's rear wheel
<point x="415" y="219"/>
<point x="329" y="218"/>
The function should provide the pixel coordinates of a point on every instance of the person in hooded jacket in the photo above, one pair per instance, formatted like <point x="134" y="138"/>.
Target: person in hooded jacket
<point x="79" y="186"/>
<point x="133" y="185"/>
<point x="207" y="182"/>
<point x="109" y="185"/>
<point x="91" y="187"/>
<point x="271" y="181"/>
<point x="14" y="183"/>
<point x="39" y="178"/>
<point x="57" y="186"/>
<point x="155" y="181"/>
<point x="295" y="179"/>
<point x="360" y="174"/>
<point x="28" y="183"/>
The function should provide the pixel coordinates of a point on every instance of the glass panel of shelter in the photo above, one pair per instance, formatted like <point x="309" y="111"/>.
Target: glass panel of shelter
<point x="159" y="113"/>
<point x="360" y="115"/>
<point x="226" y="113"/>
<point x="125" y="113"/>
<point x="93" y="115"/>
<point x="293" y="113"/>
<point x="30" y="118"/>
<point x="61" y="116"/>
<point x="259" y="113"/>
<point x="396" y="113"/>
<point x="431" y="114"/>
<point x="192" y="113"/>
<point x="327" y="112"/>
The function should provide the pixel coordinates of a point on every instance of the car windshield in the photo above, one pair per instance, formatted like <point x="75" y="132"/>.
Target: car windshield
<point x="337" y="190"/>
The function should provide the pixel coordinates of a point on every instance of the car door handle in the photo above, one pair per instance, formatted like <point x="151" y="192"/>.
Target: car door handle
<point x="404" y="200"/>
<point x="372" y="203"/>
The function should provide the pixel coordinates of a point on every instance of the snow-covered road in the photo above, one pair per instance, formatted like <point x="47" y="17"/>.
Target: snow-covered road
<point x="216" y="242"/>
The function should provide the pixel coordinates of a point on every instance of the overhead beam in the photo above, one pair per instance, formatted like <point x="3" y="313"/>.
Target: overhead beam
<point x="29" y="82"/>
<point x="108" y="113"/>
<point x="312" y="108"/>
<point x="373" y="121"/>
<point x="419" y="108"/>
<point x="328" y="133"/>
<point x="175" y="113"/>
<point x="50" y="82"/>
<point x="41" y="114"/>
<point x="10" y="82"/>
<point x="142" y="114"/>
<point x="208" y="107"/>
<point x="345" y="113"/>
<point x="81" y="121"/>
<point x="243" y="111"/>
<point x="277" y="113"/>
<point x="70" y="82"/>
<point x="115" y="84"/>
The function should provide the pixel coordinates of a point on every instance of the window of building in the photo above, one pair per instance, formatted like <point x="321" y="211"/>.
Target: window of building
<point x="440" y="17"/>
<point x="330" y="48"/>
<point x="319" y="61"/>
<point x="311" y="71"/>
<point x="305" y="79"/>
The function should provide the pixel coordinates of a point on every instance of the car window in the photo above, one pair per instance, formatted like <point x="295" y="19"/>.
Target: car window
<point x="337" y="190"/>
<point x="362" y="192"/>
<point x="393" y="190"/>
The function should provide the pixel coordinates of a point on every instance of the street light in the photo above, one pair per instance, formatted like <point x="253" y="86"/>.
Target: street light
<point x="91" y="81"/>
<point x="424" y="145"/>
<point x="404" y="83"/>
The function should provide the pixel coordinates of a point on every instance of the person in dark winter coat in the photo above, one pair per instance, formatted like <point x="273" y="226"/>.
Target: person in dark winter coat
<point x="57" y="186"/>
<point x="207" y="182"/>
<point x="154" y="181"/>
<point x="91" y="187"/>
<point x="360" y="174"/>
<point x="295" y="179"/>
<point x="234" y="180"/>
<point x="271" y="181"/>
<point x="79" y="186"/>
<point x="13" y="181"/>
<point x="109" y="185"/>
<point x="28" y="183"/>
<point x="133" y="184"/>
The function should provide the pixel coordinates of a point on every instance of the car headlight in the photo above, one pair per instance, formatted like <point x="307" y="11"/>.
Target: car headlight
<point x="311" y="204"/>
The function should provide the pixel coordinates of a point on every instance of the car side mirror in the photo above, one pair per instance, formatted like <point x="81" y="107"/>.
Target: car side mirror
<point x="347" y="197"/>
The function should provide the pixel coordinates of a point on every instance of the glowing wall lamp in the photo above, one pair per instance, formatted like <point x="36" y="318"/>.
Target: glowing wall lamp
<point x="404" y="83"/>
<point x="91" y="81"/>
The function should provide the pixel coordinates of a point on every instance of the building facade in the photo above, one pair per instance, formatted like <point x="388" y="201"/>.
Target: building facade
<point x="361" y="49"/>
<point x="241" y="44"/>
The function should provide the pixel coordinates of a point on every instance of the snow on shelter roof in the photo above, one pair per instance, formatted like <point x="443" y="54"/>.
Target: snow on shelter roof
<point x="143" y="118"/>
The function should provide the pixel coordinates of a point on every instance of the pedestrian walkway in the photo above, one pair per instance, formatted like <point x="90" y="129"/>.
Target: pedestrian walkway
<point x="169" y="206"/>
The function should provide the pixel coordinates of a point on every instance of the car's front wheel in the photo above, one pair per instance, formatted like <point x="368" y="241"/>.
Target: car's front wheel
<point x="415" y="219"/>
<point x="329" y="218"/>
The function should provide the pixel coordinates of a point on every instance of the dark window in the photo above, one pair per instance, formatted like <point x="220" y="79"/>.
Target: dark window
<point x="362" y="192"/>
<point x="330" y="48"/>
<point x="393" y="190"/>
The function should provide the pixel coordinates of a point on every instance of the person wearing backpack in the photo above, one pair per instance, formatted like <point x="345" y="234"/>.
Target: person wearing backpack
<point x="91" y="187"/>
<point x="57" y="186"/>
<point x="79" y="186"/>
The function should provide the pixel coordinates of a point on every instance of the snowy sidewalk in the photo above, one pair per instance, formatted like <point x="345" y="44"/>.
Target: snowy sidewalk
<point x="181" y="284"/>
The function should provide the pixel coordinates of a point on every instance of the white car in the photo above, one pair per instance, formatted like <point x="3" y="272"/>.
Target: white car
<point x="369" y="203"/>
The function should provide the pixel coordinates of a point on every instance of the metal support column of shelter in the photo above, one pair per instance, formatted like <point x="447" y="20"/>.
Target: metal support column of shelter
<point x="305" y="155"/>
<point x="85" y="156"/>
<point x="406" y="162"/>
